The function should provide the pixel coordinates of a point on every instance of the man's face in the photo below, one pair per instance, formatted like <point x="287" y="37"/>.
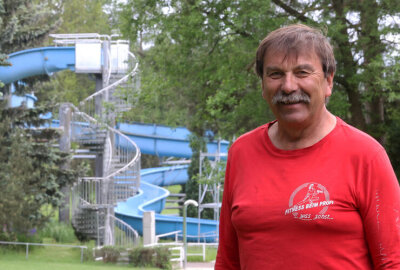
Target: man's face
<point x="295" y="87"/>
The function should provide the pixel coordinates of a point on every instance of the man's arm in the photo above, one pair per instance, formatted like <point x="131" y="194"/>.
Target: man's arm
<point x="380" y="210"/>
<point x="228" y="251"/>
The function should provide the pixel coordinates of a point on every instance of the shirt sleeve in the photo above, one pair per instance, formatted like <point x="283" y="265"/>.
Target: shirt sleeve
<point x="228" y="254"/>
<point x="379" y="207"/>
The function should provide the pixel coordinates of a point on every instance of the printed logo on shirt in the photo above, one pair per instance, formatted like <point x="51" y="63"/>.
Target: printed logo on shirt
<point x="310" y="201"/>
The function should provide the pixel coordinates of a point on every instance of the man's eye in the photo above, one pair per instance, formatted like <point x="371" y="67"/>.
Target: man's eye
<point x="302" y="73"/>
<point x="274" y="75"/>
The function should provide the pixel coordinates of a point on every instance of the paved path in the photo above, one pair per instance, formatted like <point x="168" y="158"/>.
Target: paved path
<point x="199" y="266"/>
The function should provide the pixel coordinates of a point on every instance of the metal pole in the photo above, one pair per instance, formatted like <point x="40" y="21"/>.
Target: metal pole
<point x="65" y="114"/>
<point x="185" y="205"/>
<point x="200" y="201"/>
<point x="204" y="252"/>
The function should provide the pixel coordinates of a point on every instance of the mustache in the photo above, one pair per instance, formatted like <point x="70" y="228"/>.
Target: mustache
<point x="293" y="97"/>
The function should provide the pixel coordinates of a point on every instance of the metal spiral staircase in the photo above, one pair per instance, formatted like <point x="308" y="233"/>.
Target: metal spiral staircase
<point x="116" y="175"/>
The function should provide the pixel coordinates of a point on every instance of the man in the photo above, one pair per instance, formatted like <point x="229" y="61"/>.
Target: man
<point x="306" y="191"/>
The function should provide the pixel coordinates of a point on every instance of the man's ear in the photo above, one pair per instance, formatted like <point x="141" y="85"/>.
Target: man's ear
<point x="263" y="90"/>
<point x="329" y="84"/>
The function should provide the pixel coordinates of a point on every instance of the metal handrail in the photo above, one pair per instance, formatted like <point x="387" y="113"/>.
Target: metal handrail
<point x="134" y="159"/>
<point x="131" y="231"/>
<point x="176" y="233"/>
<point x="111" y="86"/>
<point x="109" y="149"/>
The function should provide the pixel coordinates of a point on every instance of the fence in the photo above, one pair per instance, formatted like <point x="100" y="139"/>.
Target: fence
<point x="179" y="246"/>
<point x="39" y="244"/>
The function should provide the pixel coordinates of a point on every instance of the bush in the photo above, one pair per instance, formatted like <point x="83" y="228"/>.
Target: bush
<point x="163" y="258"/>
<point x="151" y="257"/>
<point x="60" y="232"/>
<point x="110" y="254"/>
<point x="88" y="254"/>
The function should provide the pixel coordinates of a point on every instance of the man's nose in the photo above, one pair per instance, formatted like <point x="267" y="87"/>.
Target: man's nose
<point x="289" y="83"/>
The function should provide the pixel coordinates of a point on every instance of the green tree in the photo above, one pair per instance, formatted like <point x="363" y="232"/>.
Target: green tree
<point x="77" y="16"/>
<point x="201" y="55"/>
<point x="64" y="86"/>
<point x="198" y="70"/>
<point x="84" y="16"/>
<point x="197" y="60"/>
<point x="23" y="24"/>
<point x="364" y="34"/>
<point x="30" y="177"/>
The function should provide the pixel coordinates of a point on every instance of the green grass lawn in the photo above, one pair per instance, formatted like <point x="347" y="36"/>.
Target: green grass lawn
<point x="175" y="212"/>
<point x="211" y="253"/>
<point x="50" y="258"/>
<point x="39" y="265"/>
<point x="60" y="258"/>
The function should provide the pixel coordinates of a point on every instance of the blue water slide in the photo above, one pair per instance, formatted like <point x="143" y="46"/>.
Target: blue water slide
<point x="38" y="61"/>
<point x="27" y="99"/>
<point x="160" y="140"/>
<point x="151" y="139"/>
<point x="166" y="141"/>
<point x="152" y="197"/>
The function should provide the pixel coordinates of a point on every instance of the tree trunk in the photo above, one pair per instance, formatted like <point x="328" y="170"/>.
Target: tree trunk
<point x="349" y="68"/>
<point x="372" y="48"/>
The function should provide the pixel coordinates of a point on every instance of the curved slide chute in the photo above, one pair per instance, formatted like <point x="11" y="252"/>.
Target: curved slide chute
<point x="152" y="198"/>
<point x="166" y="141"/>
<point x="39" y="61"/>
<point x="151" y="139"/>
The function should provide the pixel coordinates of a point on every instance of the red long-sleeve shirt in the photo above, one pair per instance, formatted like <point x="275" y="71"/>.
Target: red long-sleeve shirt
<point x="333" y="205"/>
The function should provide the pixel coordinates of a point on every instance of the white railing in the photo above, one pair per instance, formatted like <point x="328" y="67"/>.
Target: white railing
<point x="126" y="236"/>
<point x="176" y="233"/>
<point x="177" y="257"/>
<point x="178" y="245"/>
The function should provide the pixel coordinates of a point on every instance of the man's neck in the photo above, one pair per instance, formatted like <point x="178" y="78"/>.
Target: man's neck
<point x="291" y="137"/>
